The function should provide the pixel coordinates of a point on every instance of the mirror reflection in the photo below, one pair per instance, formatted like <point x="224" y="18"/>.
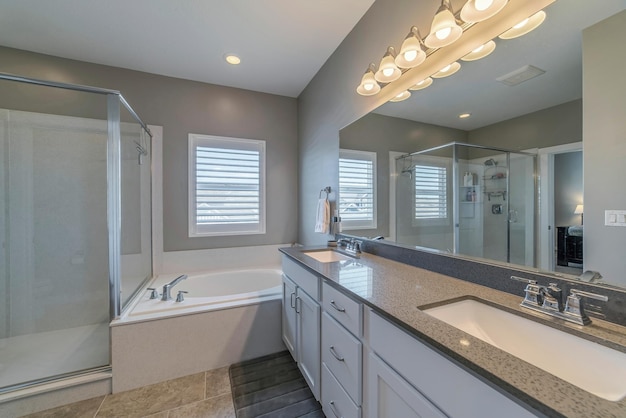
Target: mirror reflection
<point x="399" y="179"/>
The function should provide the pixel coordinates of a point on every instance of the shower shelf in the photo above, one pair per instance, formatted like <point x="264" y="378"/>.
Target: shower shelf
<point x="495" y="193"/>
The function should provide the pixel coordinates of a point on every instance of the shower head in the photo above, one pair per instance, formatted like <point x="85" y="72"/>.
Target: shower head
<point x="491" y="162"/>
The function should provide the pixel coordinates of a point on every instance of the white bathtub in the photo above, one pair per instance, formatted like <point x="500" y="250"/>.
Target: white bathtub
<point x="209" y="291"/>
<point x="227" y="317"/>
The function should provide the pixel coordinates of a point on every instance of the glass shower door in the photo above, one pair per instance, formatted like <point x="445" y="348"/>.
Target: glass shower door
<point x="54" y="312"/>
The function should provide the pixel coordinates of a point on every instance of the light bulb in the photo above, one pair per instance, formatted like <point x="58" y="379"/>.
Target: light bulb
<point x="443" y="33"/>
<point x="388" y="72"/>
<point x="368" y="86"/>
<point x="445" y="69"/>
<point x="482" y="4"/>
<point x="480" y="48"/>
<point x="410" y="55"/>
<point x="521" y="24"/>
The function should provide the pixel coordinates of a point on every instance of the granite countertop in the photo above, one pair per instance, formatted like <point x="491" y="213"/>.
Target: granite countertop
<point x="396" y="290"/>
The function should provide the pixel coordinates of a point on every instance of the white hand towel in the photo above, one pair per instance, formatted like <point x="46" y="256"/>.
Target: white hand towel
<point x="322" y="220"/>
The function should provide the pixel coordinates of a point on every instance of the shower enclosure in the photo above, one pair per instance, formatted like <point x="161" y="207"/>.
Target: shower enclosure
<point x="75" y="225"/>
<point x="468" y="199"/>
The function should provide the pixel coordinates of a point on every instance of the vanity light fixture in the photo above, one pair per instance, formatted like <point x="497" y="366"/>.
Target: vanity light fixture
<point x="232" y="59"/>
<point x="444" y="29"/>
<point x="402" y="96"/>
<point x="480" y="52"/>
<point x="388" y="71"/>
<point x="525" y="26"/>
<point x="422" y="84"/>
<point x="411" y="52"/>
<point x="479" y="10"/>
<point x="448" y="70"/>
<point x="369" y="86"/>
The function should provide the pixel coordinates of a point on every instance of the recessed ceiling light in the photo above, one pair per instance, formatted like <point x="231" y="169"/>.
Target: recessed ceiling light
<point x="464" y="115"/>
<point x="232" y="59"/>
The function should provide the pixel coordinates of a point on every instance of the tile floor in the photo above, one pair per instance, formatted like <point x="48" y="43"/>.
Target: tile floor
<point x="201" y="395"/>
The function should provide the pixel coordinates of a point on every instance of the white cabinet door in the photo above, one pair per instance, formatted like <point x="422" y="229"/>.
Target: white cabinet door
<point x="308" y="340"/>
<point x="390" y="396"/>
<point x="289" y="316"/>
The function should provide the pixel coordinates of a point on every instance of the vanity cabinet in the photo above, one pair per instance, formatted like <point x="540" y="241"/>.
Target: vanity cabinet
<point x="301" y="321"/>
<point x="342" y="350"/>
<point x="389" y="395"/>
<point x="404" y="376"/>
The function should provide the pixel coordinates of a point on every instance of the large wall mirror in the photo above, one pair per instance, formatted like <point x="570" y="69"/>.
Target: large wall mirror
<point x="524" y="207"/>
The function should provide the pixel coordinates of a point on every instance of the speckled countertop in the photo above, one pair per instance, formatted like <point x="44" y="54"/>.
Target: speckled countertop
<point x="396" y="290"/>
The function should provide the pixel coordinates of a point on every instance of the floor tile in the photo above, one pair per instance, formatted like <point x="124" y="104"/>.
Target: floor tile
<point x="217" y="382"/>
<point x="82" y="409"/>
<point x="217" y="407"/>
<point x="154" y="398"/>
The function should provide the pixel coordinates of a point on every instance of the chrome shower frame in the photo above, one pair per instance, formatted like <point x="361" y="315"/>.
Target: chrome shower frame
<point x="114" y="199"/>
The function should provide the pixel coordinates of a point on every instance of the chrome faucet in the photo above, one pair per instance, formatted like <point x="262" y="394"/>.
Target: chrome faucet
<point x="167" y="289"/>
<point x="549" y="300"/>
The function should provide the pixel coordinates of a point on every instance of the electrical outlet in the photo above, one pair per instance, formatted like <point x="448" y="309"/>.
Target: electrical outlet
<point x="615" y="217"/>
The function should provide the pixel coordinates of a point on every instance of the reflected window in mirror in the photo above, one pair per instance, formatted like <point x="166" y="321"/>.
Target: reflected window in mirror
<point x="430" y="179"/>
<point x="357" y="190"/>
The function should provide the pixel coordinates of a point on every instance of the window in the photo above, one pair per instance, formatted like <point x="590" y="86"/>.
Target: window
<point x="226" y="186"/>
<point x="357" y="195"/>
<point x="431" y="195"/>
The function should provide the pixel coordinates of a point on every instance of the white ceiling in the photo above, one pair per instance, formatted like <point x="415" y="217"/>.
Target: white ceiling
<point x="282" y="43"/>
<point x="556" y="46"/>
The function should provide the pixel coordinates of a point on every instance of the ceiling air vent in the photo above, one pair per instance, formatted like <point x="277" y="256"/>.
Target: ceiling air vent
<point x="520" y="75"/>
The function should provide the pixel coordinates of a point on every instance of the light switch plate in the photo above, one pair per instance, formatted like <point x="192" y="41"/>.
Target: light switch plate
<point x="615" y="218"/>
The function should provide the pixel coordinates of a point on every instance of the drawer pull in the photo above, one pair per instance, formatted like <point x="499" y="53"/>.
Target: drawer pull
<point x="334" y="305"/>
<point x="332" y="408"/>
<point x="291" y="302"/>
<point x="334" y="353"/>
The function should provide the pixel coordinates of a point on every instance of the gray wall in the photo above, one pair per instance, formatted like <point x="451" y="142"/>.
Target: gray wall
<point x="604" y="144"/>
<point x="381" y="134"/>
<point x="568" y="187"/>
<point x="184" y="107"/>
<point x="330" y="101"/>
<point x="557" y="125"/>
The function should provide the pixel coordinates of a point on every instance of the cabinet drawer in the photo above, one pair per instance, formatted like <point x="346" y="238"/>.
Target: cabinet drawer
<point x="302" y="277"/>
<point x="435" y="376"/>
<point x="345" y="310"/>
<point x="335" y="401"/>
<point x="341" y="352"/>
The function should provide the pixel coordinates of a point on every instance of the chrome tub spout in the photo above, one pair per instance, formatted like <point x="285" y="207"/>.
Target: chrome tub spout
<point x="167" y="289"/>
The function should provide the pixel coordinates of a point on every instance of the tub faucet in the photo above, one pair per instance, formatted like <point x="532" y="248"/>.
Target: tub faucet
<point x="167" y="289"/>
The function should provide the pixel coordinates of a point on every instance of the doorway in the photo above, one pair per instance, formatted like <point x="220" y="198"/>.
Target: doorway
<point x="561" y="205"/>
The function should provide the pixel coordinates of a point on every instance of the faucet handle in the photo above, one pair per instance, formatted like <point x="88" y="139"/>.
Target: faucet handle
<point x="154" y="294"/>
<point x="589" y="295"/>
<point x="180" y="297"/>
<point x="575" y="307"/>
<point x="523" y="279"/>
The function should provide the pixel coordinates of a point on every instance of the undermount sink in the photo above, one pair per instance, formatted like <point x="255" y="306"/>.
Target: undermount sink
<point x="590" y="366"/>
<point x="327" y="256"/>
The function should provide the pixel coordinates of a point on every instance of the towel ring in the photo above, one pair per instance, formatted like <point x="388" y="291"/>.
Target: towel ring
<point x="324" y="190"/>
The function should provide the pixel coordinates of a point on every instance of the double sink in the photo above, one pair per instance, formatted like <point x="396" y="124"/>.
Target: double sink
<point x="583" y="363"/>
